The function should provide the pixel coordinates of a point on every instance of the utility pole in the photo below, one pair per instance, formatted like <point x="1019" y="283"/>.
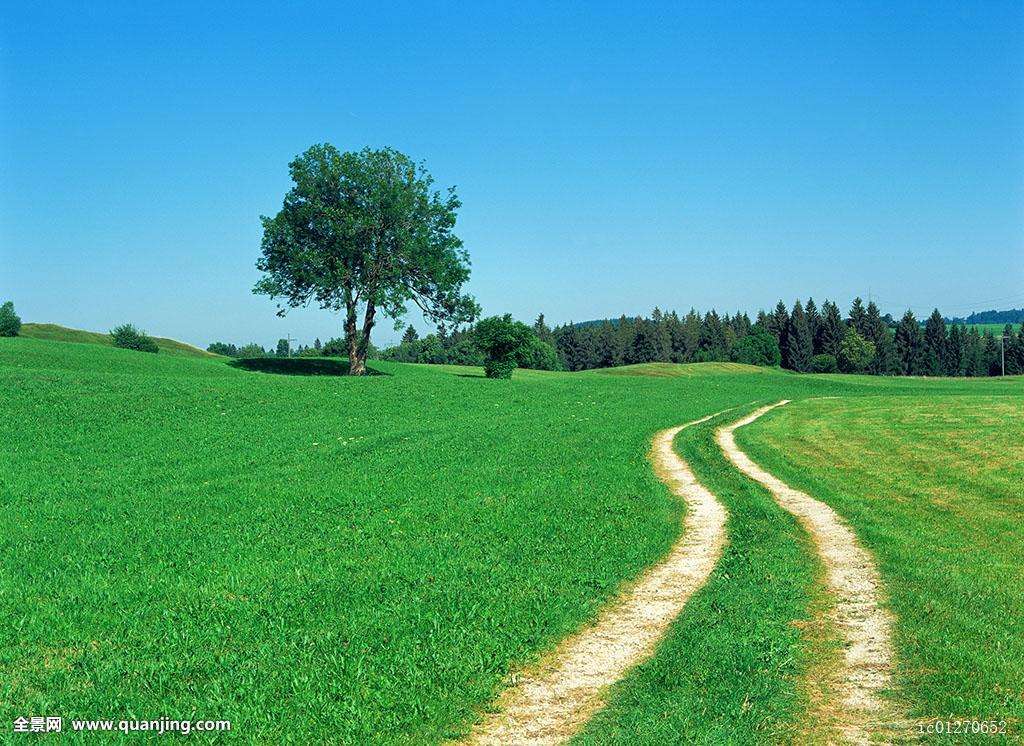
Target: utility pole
<point x="288" y="339"/>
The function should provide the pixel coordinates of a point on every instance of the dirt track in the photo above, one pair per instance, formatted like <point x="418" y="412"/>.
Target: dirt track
<point x="857" y="707"/>
<point x="551" y="702"/>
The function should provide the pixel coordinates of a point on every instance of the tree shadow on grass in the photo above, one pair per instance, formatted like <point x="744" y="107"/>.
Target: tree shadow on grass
<point x="311" y="366"/>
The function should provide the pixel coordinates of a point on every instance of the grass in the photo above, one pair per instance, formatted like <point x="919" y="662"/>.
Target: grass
<point x="321" y="558"/>
<point x="57" y="333"/>
<point x="730" y="670"/>
<point x="933" y="487"/>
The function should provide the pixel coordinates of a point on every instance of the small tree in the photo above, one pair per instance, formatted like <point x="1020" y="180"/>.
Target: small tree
<point x="502" y="341"/>
<point x="410" y="335"/>
<point x="128" y="337"/>
<point x="758" y="348"/>
<point x="855" y="353"/>
<point x="365" y="232"/>
<point x="283" y="348"/>
<point x="10" y="322"/>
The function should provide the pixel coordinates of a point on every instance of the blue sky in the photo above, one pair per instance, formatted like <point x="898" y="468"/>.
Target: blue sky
<point x="610" y="158"/>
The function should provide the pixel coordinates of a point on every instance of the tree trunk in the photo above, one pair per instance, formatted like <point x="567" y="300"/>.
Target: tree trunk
<point x="356" y="365"/>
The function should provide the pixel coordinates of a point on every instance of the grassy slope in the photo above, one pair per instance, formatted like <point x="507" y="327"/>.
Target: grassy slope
<point x="57" y="333"/>
<point x="933" y="486"/>
<point x="333" y="558"/>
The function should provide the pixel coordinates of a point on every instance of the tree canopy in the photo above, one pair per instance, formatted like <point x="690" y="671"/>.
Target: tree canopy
<point x="365" y="233"/>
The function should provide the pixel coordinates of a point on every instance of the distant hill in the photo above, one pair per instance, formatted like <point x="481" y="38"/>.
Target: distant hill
<point x="60" y="333"/>
<point x="1013" y="316"/>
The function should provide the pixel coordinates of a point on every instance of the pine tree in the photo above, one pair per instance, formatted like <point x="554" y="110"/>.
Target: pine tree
<point x="676" y="338"/>
<point x="410" y="335"/>
<point x="712" y="343"/>
<point x="608" y="354"/>
<point x="691" y="336"/>
<point x="799" y="344"/>
<point x="644" y="345"/>
<point x="625" y="331"/>
<point x="832" y="330"/>
<point x="813" y="322"/>
<point x="660" y="338"/>
<point x="877" y="332"/>
<point x="542" y="330"/>
<point x="990" y="359"/>
<point x="953" y="357"/>
<point x="934" y="349"/>
<point x="318" y="345"/>
<point x="858" y="317"/>
<point x="973" y="354"/>
<point x="909" y="345"/>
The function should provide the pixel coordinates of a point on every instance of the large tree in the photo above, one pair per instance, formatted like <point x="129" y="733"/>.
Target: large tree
<point x="365" y="233"/>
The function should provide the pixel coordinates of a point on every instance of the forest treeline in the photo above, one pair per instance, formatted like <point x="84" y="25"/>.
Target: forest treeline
<point x="802" y="338"/>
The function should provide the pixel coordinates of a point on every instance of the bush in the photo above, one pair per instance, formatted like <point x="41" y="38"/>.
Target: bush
<point x="495" y="368"/>
<point x="10" y="322"/>
<point x="539" y="355"/>
<point x="223" y="348"/>
<point x="824" y="364"/>
<point x="128" y="337"/>
<point x="758" y="348"/>
<point x="502" y="341"/>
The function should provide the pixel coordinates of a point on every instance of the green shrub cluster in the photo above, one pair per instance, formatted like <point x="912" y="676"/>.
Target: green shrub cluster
<point x="128" y="337"/>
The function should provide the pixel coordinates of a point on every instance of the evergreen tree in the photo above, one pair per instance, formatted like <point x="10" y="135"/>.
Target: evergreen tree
<point x="318" y="345"/>
<point x="877" y="332"/>
<point x="953" y="357"/>
<point x="567" y="343"/>
<point x="676" y="338"/>
<point x="974" y="364"/>
<point x="410" y="335"/>
<point x="1014" y="345"/>
<point x="858" y="317"/>
<point x="933" y="352"/>
<point x="691" y="336"/>
<point x="813" y="322"/>
<point x="608" y="352"/>
<point x="799" y="347"/>
<point x="282" y="348"/>
<point x="644" y="345"/>
<point x="712" y="344"/>
<point x="831" y="331"/>
<point x="544" y="334"/>
<point x="908" y="345"/>
<point x="990" y="360"/>
<point x="625" y="331"/>
<point x="660" y="338"/>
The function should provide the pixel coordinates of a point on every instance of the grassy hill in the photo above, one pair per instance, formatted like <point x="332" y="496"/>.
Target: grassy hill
<point x="324" y="558"/>
<point x="57" y="333"/>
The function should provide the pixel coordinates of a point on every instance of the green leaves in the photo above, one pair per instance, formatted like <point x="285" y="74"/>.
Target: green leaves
<point x="364" y="231"/>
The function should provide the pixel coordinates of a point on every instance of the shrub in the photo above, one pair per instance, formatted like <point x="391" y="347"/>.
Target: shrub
<point x="223" y="348"/>
<point x="758" y="348"/>
<point x="502" y="341"/>
<point x="824" y="364"/>
<point x="10" y="322"/>
<point x="130" y="338"/>
<point x="539" y="355"/>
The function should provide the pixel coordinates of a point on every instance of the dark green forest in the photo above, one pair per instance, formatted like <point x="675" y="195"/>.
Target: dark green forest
<point x="802" y="338"/>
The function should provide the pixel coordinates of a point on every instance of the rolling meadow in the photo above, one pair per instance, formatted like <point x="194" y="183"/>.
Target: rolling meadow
<point x="360" y="559"/>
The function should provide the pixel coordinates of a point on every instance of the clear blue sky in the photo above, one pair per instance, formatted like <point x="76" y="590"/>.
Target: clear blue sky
<point x="610" y="158"/>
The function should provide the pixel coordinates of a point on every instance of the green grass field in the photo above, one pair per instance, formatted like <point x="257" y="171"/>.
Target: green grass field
<point x="322" y="558"/>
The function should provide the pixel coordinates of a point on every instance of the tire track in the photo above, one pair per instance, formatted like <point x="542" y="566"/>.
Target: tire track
<point x="551" y="702"/>
<point x="858" y="616"/>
